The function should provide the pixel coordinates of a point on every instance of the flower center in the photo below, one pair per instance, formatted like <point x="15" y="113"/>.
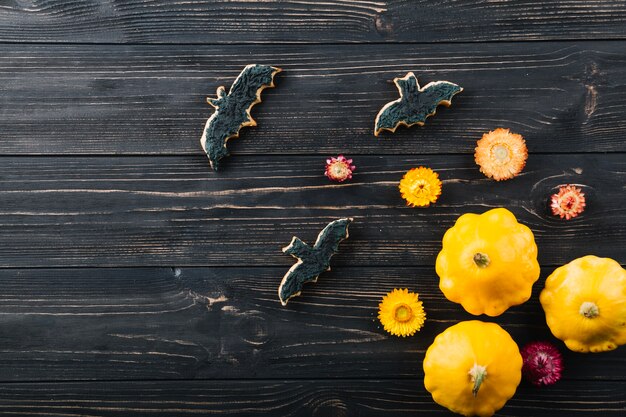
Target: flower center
<point x="403" y="313"/>
<point x="501" y="153"/>
<point x="481" y="260"/>
<point x="568" y="202"/>
<point x="339" y="170"/>
<point x="420" y="187"/>
<point x="542" y="360"/>
<point x="589" y="310"/>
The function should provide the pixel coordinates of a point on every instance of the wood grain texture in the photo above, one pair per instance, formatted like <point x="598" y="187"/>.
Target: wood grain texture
<point x="173" y="211"/>
<point x="222" y="21"/>
<point x="136" y="282"/>
<point x="318" y="398"/>
<point x="224" y="323"/>
<point x="148" y="100"/>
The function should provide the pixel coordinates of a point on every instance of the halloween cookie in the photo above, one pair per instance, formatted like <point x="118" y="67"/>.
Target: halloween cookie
<point x="415" y="103"/>
<point x="232" y="110"/>
<point x="312" y="261"/>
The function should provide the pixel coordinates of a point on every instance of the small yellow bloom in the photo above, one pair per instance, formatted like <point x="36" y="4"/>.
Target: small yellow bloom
<point x="501" y="154"/>
<point x="401" y="313"/>
<point x="420" y="187"/>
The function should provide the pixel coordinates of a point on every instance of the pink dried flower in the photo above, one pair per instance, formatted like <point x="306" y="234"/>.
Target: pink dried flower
<point x="543" y="363"/>
<point x="339" y="169"/>
<point x="568" y="203"/>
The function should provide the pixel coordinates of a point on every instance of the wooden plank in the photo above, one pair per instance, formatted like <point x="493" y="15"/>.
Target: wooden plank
<point x="110" y="99"/>
<point x="196" y="323"/>
<point x="174" y="211"/>
<point x="165" y="21"/>
<point x="362" y="398"/>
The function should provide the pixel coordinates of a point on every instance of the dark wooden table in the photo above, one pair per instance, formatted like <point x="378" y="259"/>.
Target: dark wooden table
<point x="136" y="282"/>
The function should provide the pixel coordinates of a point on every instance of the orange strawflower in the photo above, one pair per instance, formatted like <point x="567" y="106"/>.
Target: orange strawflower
<point x="501" y="154"/>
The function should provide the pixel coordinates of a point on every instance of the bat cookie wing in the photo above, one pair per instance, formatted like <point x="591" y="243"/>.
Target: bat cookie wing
<point x="439" y="92"/>
<point x="331" y="236"/>
<point x="232" y="109"/>
<point x="415" y="103"/>
<point x="312" y="261"/>
<point x="291" y="286"/>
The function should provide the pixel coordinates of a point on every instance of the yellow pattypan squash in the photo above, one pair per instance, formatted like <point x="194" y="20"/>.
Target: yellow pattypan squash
<point x="473" y="368"/>
<point x="585" y="304"/>
<point x="488" y="262"/>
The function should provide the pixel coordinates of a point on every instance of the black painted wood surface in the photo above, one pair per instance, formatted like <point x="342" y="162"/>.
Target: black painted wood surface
<point x="174" y="211"/>
<point x="112" y="99"/>
<point x="282" y="398"/>
<point x="330" y="21"/>
<point x="225" y="322"/>
<point x="137" y="282"/>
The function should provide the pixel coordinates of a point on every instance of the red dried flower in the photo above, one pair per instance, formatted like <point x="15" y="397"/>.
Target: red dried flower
<point x="339" y="169"/>
<point x="543" y="363"/>
<point x="568" y="203"/>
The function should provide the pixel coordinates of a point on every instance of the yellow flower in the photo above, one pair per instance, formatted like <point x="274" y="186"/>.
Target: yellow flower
<point x="401" y="313"/>
<point x="420" y="187"/>
<point x="501" y="154"/>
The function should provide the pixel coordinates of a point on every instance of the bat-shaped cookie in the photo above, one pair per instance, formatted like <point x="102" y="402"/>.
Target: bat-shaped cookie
<point x="232" y="110"/>
<point x="312" y="261"/>
<point x="415" y="104"/>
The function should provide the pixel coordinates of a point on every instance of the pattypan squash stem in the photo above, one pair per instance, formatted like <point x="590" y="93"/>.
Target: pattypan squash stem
<point x="481" y="260"/>
<point x="589" y="310"/>
<point x="477" y="374"/>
